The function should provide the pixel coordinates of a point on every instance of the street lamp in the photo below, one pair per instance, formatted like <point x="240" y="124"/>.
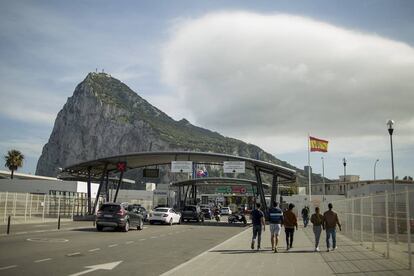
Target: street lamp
<point x="390" y="124"/>
<point x="375" y="166"/>
<point x="344" y="162"/>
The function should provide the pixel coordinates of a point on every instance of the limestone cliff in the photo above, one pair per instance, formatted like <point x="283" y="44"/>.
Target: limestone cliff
<point x="104" y="117"/>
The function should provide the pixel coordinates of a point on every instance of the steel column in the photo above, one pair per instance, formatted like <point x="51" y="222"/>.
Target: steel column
<point x="89" y="191"/>
<point x="119" y="185"/>
<point x="274" y="189"/>
<point x="100" y="187"/>
<point x="260" y="189"/>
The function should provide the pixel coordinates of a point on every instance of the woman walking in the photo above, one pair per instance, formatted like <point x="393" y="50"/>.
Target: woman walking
<point x="317" y="221"/>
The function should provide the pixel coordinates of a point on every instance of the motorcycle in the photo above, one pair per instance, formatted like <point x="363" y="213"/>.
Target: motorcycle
<point x="237" y="218"/>
<point x="217" y="216"/>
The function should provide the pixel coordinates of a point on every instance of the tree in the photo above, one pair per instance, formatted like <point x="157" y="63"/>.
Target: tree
<point x="14" y="160"/>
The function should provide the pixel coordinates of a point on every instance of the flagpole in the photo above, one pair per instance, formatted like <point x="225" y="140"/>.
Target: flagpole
<point x="309" y="170"/>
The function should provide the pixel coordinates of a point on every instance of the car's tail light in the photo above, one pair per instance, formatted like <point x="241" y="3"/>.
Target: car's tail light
<point x="121" y="212"/>
<point x="165" y="215"/>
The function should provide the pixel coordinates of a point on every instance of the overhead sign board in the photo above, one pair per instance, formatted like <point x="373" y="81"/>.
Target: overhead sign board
<point x="151" y="173"/>
<point x="182" y="166"/>
<point x="234" y="166"/>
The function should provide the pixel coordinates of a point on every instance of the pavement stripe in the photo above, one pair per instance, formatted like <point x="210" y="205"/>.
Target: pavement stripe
<point x="73" y="254"/>
<point x="153" y="237"/>
<point x="113" y="245"/>
<point x="20" y="233"/>
<point x="129" y="242"/>
<point x="8" y="267"/>
<point x="170" y="272"/>
<point x="93" y="250"/>
<point x="142" y="239"/>
<point x="42" y="260"/>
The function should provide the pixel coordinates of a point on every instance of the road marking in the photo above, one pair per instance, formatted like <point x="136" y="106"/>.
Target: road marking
<point x="40" y="231"/>
<point x="8" y="267"/>
<point x="129" y="242"/>
<point x="171" y="272"/>
<point x="142" y="239"/>
<point x="46" y="240"/>
<point x="42" y="260"/>
<point x="107" y="266"/>
<point x="113" y="245"/>
<point x="73" y="254"/>
<point x="93" y="250"/>
<point x="153" y="237"/>
<point x="20" y="233"/>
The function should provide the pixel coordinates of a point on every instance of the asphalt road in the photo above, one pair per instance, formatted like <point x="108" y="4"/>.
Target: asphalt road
<point x="41" y="249"/>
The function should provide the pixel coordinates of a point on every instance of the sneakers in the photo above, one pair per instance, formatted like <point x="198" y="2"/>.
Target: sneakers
<point x="252" y="245"/>
<point x="317" y="249"/>
<point x="327" y="250"/>
<point x="275" y="250"/>
<point x="336" y="247"/>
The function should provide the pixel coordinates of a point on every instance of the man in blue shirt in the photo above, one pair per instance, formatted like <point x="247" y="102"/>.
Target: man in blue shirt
<point x="275" y="223"/>
<point x="257" y="221"/>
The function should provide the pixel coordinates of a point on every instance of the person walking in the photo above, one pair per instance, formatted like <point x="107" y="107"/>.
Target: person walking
<point x="305" y="216"/>
<point x="258" y="221"/>
<point x="330" y="221"/>
<point x="317" y="221"/>
<point x="290" y="222"/>
<point x="275" y="224"/>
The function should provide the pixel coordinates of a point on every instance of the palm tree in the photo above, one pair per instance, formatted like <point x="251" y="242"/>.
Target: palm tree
<point x="14" y="160"/>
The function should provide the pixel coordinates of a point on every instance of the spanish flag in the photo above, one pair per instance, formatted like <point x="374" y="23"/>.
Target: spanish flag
<point x="318" y="144"/>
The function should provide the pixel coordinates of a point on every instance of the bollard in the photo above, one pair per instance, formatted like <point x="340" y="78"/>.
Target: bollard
<point x="8" y="225"/>
<point x="58" y="222"/>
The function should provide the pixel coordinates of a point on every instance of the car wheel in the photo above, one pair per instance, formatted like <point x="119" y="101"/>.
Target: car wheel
<point x="99" y="227"/>
<point x="140" y="225"/>
<point x="171" y="222"/>
<point x="126" y="227"/>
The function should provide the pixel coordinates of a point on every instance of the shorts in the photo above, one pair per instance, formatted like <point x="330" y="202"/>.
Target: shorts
<point x="275" y="229"/>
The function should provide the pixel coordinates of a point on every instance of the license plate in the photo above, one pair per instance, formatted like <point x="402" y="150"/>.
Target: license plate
<point x="107" y="216"/>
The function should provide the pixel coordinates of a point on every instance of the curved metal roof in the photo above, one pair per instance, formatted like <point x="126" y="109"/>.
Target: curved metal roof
<point x="146" y="159"/>
<point x="219" y="181"/>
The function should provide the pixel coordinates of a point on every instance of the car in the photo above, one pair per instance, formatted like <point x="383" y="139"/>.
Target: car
<point x="141" y="210"/>
<point x="118" y="216"/>
<point x="164" y="215"/>
<point x="192" y="212"/>
<point x="208" y="214"/>
<point x="225" y="211"/>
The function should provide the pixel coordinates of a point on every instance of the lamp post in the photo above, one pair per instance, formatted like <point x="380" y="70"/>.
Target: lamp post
<point x="323" y="178"/>
<point x="345" y="189"/>
<point x="390" y="124"/>
<point x="375" y="166"/>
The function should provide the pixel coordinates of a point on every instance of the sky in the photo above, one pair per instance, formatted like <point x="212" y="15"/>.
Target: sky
<point x="267" y="72"/>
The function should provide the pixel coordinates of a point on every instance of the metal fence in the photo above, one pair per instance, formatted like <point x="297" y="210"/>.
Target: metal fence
<point x="26" y="207"/>
<point x="382" y="223"/>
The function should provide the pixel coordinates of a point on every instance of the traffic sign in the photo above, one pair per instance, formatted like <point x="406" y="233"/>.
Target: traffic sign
<point x="182" y="166"/>
<point x="234" y="166"/>
<point x="121" y="166"/>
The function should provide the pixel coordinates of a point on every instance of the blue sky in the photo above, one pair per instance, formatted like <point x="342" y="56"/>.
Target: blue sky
<point x="48" y="47"/>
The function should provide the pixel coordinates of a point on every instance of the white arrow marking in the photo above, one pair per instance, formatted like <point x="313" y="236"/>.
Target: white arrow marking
<point x="107" y="266"/>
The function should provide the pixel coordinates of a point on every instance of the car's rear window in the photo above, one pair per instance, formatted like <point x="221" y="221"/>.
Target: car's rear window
<point x="110" y="208"/>
<point x="189" y="208"/>
<point x="163" y="210"/>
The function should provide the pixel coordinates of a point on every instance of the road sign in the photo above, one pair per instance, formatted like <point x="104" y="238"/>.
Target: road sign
<point x="151" y="173"/>
<point x="121" y="166"/>
<point x="234" y="166"/>
<point x="182" y="166"/>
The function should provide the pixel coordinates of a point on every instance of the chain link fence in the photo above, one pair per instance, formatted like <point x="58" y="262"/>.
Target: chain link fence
<point x="382" y="222"/>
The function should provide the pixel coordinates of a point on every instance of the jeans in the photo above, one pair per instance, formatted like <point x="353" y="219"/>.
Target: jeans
<point x="257" y="232"/>
<point x="317" y="230"/>
<point x="331" y="232"/>
<point x="289" y="236"/>
<point x="305" y="220"/>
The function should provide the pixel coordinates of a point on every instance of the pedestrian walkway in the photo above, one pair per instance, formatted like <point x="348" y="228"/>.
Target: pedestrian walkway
<point x="234" y="257"/>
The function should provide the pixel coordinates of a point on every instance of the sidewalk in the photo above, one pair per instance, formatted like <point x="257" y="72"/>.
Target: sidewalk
<point x="234" y="257"/>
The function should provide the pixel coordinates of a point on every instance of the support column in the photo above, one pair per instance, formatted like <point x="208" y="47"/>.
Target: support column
<point x="107" y="187"/>
<point x="119" y="185"/>
<point x="260" y="189"/>
<point x="89" y="192"/>
<point x="274" y="189"/>
<point x="99" y="188"/>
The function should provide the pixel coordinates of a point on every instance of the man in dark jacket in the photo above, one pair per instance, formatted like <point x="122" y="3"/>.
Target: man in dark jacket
<point x="257" y="221"/>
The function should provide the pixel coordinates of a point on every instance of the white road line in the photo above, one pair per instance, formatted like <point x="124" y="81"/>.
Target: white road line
<point x="129" y="242"/>
<point x="20" y="233"/>
<point x="145" y="227"/>
<point x="93" y="250"/>
<point x="8" y="267"/>
<point x="142" y="239"/>
<point x="113" y="245"/>
<point x="73" y="254"/>
<point x="153" y="237"/>
<point x="40" y="231"/>
<point x="42" y="260"/>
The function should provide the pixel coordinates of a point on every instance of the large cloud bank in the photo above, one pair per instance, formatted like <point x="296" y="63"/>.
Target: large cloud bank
<point x="255" y="75"/>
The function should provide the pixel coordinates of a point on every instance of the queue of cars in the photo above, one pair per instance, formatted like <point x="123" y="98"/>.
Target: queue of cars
<point x="124" y="216"/>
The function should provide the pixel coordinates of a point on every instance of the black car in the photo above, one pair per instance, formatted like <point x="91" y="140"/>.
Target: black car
<point x="208" y="214"/>
<point x="118" y="216"/>
<point x="192" y="212"/>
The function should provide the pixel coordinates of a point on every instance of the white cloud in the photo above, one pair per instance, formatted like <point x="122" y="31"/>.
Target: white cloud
<point x="28" y="147"/>
<point x="269" y="77"/>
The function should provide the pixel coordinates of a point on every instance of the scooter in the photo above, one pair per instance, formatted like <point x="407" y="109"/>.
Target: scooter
<point x="237" y="218"/>
<point x="217" y="216"/>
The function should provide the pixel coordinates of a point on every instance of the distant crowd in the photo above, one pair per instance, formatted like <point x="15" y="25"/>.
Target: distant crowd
<point x="277" y="218"/>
